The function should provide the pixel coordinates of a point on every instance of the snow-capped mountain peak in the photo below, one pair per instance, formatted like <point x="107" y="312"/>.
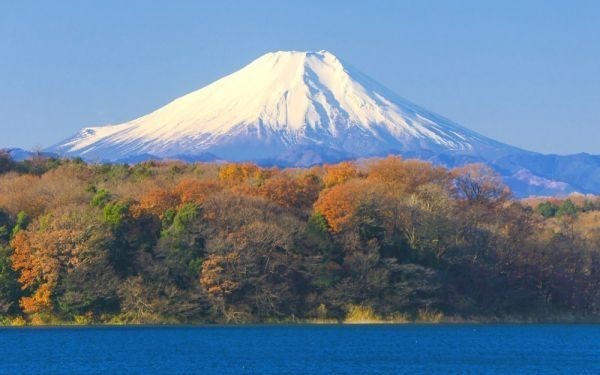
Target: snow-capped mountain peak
<point x="282" y="100"/>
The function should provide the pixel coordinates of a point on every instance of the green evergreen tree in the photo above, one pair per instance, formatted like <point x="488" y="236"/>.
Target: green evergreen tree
<point x="547" y="209"/>
<point x="567" y="208"/>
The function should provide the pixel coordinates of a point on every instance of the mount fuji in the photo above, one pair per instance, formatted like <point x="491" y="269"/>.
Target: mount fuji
<point x="304" y="108"/>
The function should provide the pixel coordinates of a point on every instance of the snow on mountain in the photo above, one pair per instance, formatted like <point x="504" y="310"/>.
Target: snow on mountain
<point x="282" y="101"/>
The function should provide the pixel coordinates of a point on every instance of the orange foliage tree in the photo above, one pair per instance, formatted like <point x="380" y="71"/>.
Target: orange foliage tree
<point x="50" y="245"/>
<point x="407" y="175"/>
<point x="194" y="191"/>
<point x="286" y="191"/>
<point x="338" y="204"/>
<point x="157" y="201"/>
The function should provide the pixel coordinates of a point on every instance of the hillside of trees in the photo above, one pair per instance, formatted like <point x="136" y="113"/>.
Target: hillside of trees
<point x="383" y="239"/>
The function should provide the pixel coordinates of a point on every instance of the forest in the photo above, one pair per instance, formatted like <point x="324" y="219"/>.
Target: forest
<point x="383" y="239"/>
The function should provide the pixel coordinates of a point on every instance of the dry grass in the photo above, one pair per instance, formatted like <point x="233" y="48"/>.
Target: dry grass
<point x="359" y="314"/>
<point x="429" y="316"/>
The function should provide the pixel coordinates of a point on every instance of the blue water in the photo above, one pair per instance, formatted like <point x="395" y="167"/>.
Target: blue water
<point x="303" y="349"/>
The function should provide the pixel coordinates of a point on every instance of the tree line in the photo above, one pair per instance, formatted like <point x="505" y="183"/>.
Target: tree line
<point x="391" y="239"/>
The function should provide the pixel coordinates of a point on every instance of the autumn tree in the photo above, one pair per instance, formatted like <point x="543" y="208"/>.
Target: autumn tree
<point x="232" y="174"/>
<point x="405" y="176"/>
<point x="61" y="186"/>
<point x="254" y="272"/>
<point x="252" y="268"/>
<point x="195" y="191"/>
<point x="300" y="192"/>
<point x="479" y="185"/>
<point x="339" y="203"/>
<point x="50" y="246"/>
<point x="426" y="220"/>
<point x="157" y="202"/>
<point x="339" y="173"/>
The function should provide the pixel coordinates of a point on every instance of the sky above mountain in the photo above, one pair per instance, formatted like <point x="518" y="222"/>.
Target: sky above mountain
<point x="525" y="74"/>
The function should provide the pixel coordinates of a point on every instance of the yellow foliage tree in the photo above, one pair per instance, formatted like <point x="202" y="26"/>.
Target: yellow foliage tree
<point x="233" y="173"/>
<point x="339" y="173"/>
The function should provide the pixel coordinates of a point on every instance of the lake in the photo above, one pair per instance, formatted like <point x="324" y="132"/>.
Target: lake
<point x="303" y="349"/>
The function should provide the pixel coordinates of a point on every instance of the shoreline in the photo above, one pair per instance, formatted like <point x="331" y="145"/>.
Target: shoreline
<point x="444" y="322"/>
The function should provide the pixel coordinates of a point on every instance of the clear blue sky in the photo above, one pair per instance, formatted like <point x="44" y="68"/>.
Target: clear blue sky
<point x="523" y="72"/>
